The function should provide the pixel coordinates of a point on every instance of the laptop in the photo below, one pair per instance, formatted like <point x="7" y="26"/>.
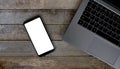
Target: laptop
<point x="95" y="29"/>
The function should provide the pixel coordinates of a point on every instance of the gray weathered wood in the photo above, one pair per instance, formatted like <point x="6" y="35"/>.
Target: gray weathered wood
<point x="21" y="4"/>
<point x="61" y="4"/>
<point x="25" y="48"/>
<point x="53" y="63"/>
<point x="13" y="32"/>
<point x="48" y="16"/>
<point x="18" y="32"/>
<point x="39" y="4"/>
<point x="16" y="48"/>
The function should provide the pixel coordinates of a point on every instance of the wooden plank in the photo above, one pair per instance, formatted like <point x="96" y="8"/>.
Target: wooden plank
<point x="39" y="4"/>
<point x="21" y="4"/>
<point x="25" y="48"/>
<point x="52" y="63"/>
<point x="13" y="32"/>
<point x="48" y="16"/>
<point x="61" y="4"/>
<point x="18" y="32"/>
<point x="16" y="48"/>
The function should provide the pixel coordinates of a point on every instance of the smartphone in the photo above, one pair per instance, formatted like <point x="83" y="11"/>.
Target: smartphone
<point x="39" y="36"/>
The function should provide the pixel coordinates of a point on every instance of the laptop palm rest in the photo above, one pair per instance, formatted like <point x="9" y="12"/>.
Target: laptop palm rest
<point x="104" y="51"/>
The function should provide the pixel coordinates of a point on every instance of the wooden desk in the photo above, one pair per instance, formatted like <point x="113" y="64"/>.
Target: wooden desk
<point x="16" y="49"/>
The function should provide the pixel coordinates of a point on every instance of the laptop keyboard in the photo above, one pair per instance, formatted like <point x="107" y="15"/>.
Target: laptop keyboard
<point x="101" y="21"/>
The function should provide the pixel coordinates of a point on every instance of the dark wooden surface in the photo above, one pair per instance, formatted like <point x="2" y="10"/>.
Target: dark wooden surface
<point x="16" y="50"/>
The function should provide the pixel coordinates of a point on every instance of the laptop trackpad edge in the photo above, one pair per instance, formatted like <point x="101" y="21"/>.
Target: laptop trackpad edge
<point x="104" y="51"/>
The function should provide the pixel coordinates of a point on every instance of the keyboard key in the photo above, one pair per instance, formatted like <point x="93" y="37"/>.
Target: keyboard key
<point x="110" y="16"/>
<point x="90" y="27"/>
<point x="105" y="24"/>
<point x="118" y="20"/>
<point x="110" y="22"/>
<point x="102" y="16"/>
<point x="113" y="29"/>
<point x="105" y="30"/>
<point x="96" y="19"/>
<point x="81" y="22"/>
<point x="107" y="13"/>
<point x="100" y="27"/>
<point x="117" y="37"/>
<point x="106" y="19"/>
<point x="113" y="34"/>
<point x="94" y="29"/>
<point x="109" y="27"/>
<point x="85" y="19"/>
<point x="114" y="24"/>
<point x="93" y="6"/>
<point x="85" y="24"/>
<point x="98" y="8"/>
<point x="93" y="11"/>
<point x="86" y="14"/>
<point x="88" y="9"/>
<point x="118" y="31"/>
<point x="92" y="17"/>
<point x="114" y="18"/>
<point x="96" y="24"/>
<point x="101" y="22"/>
<point x="92" y="22"/>
<point x="97" y="14"/>
<point x="109" y="32"/>
<point x="118" y="26"/>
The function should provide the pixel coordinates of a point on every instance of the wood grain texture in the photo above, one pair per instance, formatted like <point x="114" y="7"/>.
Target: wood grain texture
<point x="16" y="48"/>
<point x="13" y="32"/>
<point x="25" y="48"/>
<point x="48" y="16"/>
<point x="61" y="4"/>
<point x="21" y="4"/>
<point x="39" y="4"/>
<point x="53" y="63"/>
<point x="18" y="32"/>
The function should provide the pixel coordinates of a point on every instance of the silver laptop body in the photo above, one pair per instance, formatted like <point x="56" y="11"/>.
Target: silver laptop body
<point x="91" y="42"/>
